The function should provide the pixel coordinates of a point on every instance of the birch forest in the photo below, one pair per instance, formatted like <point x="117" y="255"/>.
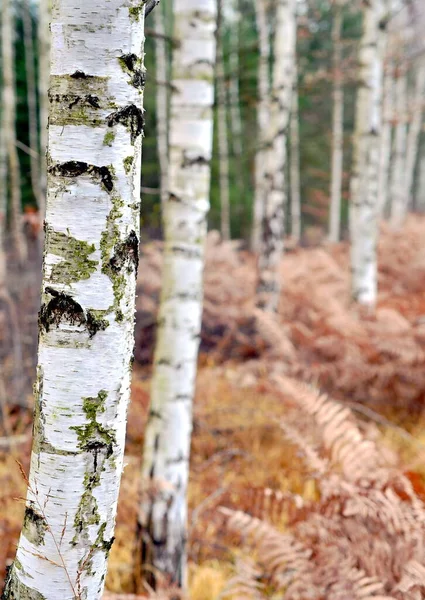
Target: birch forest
<point x="212" y="299"/>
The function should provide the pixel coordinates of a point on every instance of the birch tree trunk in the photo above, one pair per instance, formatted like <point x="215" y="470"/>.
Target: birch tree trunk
<point x="161" y="102"/>
<point x="398" y="171"/>
<point x="337" y="128"/>
<point x="32" y="101"/>
<point x="268" y="288"/>
<point x="364" y="179"/>
<point x="416" y="114"/>
<point x="420" y="190"/>
<point x="385" y="142"/>
<point x="43" y="34"/>
<point x="262" y="123"/>
<point x="163" y="511"/>
<point x="9" y="118"/>
<point x="295" y="164"/>
<point x="87" y="309"/>
<point x="223" y="143"/>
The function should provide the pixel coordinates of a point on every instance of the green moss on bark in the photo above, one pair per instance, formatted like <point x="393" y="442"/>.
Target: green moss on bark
<point x="35" y="526"/>
<point x="14" y="589"/>
<point x="76" y="264"/>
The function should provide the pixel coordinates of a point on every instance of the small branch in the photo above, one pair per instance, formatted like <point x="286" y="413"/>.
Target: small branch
<point x="149" y="190"/>
<point x="26" y="149"/>
<point x="150" y="5"/>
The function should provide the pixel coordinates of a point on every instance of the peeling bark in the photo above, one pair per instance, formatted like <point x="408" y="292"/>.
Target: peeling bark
<point x="163" y="510"/>
<point x="87" y="306"/>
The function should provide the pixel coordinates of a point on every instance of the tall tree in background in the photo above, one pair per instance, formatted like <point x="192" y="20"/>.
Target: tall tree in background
<point x="43" y="35"/>
<point x="415" y="118"/>
<point x="223" y="142"/>
<point x="32" y="101"/>
<point x="9" y="132"/>
<point x="88" y="292"/>
<point x="263" y="111"/>
<point x="271" y="250"/>
<point x="364" y="179"/>
<point x="294" y="177"/>
<point x="161" y="60"/>
<point x="386" y="131"/>
<point x="163" y="510"/>
<point x="398" y="168"/>
<point x="337" y="125"/>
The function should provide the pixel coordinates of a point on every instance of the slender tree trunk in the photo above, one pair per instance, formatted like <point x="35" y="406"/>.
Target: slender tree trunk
<point x="9" y="118"/>
<point x="420" y="189"/>
<point x="414" y="131"/>
<point x="87" y="309"/>
<point x="161" y="101"/>
<point x="32" y="101"/>
<point x="234" y="96"/>
<point x="263" y="112"/>
<point x="268" y="288"/>
<point x="385" y="141"/>
<point x="295" y="164"/>
<point x="223" y="142"/>
<point x="165" y="469"/>
<point x="337" y="128"/>
<point x="43" y="34"/>
<point x="398" y="171"/>
<point x="364" y="179"/>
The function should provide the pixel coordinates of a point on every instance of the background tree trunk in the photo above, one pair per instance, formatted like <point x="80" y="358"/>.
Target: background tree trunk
<point x="9" y="118"/>
<point x="398" y="171"/>
<point x="364" y="178"/>
<point x="223" y="142"/>
<point x="161" y="60"/>
<point x="294" y="177"/>
<point x="268" y="288"/>
<point x="32" y="102"/>
<point x="337" y="127"/>
<point x="43" y="86"/>
<point x="386" y="134"/>
<point x="262" y="123"/>
<point x="87" y="311"/>
<point x="165" y="469"/>
<point x="416" y="114"/>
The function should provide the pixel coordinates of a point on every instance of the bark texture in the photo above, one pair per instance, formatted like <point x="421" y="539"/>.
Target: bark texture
<point x="87" y="306"/>
<point x="268" y="288"/>
<point x="364" y="179"/>
<point x="337" y="128"/>
<point x="163" y="510"/>
<point x="263" y="112"/>
<point x="8" y="123"/>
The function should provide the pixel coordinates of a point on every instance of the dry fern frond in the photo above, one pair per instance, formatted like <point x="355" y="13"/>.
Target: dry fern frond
<point x="318" y="465"/>
<point x="246" y="583"/>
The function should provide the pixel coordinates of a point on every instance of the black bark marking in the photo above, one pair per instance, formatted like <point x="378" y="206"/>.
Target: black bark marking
<point x="89" y="99"/>
<point x="74" y="168"/>
<point x="131" y="117"/>
<point x="61" y="307"/>
<point x="126" y="253"/>
<point x="133" y="65"/>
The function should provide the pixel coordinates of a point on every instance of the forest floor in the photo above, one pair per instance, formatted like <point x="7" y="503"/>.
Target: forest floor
<point x="375" y="364"/>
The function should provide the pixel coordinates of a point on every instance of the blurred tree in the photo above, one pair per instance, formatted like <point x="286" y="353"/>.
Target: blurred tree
<point x="161" y="63"/>
<point x="294" y="176"/>
<point x="163" y="511"/>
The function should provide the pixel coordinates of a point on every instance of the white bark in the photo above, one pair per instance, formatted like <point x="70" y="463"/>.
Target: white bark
<point x="87" y="312"/>
<point x="223" y="142"/>
<point x="161" y="101"/>
<point x="43" y="35"/>
<point x="398" y="171"/>
<point x="385" y="141"/>
<point x="32" y="101"/>
<point x="420" y="189"/>
<point x="416" y="113"/>
<point x="268" y="288"/>
<point x="263" y="112"/>
<point x="337" y="128"/>
<point x="295" y="164"/>
<point x="364" y="179"/>
<point x="167" y="437"/>
<point x="9" y="118"/>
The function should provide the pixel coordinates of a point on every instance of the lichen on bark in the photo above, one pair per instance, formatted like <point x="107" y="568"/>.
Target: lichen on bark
<point x="76" y="264"/>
